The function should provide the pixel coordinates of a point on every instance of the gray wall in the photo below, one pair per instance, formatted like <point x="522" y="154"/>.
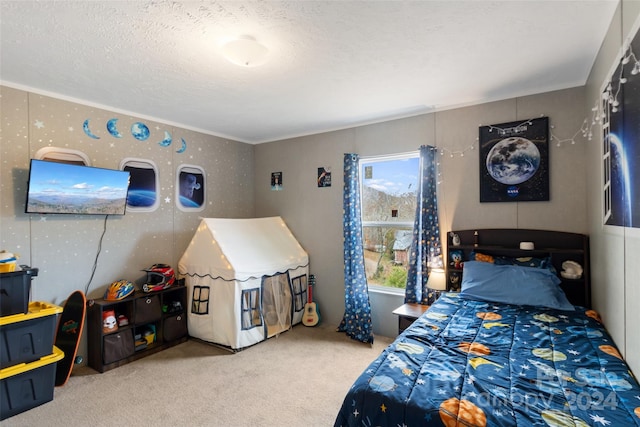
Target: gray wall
<point x="615" y="251"/>
<point x="576" y="190"/>
<point x="63" y="247"/>
<point x="315" y="214"/>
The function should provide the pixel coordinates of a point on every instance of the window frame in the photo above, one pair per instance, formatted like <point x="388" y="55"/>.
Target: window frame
<point x="393" y="224"/>
<point x="188" y="168"/>
<point x="139" y="163"/>
<point x="251" y="309"/>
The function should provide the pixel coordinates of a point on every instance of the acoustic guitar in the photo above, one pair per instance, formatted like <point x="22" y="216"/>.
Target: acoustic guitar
<point x="311" y="316"/>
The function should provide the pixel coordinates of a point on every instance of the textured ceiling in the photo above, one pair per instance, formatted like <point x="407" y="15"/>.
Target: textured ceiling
<point x="332" y="64"/>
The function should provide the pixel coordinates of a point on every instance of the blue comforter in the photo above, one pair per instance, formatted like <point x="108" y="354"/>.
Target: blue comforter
<point x="473" y="363"/>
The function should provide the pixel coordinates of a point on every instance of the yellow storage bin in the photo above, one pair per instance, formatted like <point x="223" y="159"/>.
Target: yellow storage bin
<point x="27" y="385"/>
<point x="28" y="337"/>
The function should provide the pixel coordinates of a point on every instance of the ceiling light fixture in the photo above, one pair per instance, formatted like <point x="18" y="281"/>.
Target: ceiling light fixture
<point x="245" y="51"/>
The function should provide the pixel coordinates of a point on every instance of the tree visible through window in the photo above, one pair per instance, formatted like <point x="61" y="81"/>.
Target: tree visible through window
<point x="389" y="188"/>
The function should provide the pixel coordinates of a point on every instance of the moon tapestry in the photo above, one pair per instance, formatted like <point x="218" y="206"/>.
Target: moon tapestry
<point x="514" y="161"/>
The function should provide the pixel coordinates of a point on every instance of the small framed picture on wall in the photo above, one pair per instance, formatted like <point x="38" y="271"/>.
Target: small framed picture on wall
<point x="324" y="177"/>
<point x="276" y="181"/>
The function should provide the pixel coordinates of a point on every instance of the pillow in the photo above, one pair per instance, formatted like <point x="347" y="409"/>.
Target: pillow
<point x="521" y="261"/>
<point x="512" y="284"/>
<point x="477" y="256"/>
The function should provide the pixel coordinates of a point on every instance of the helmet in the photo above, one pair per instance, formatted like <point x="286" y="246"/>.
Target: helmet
<point x="159" y="276"/>
<point x="118" y="290"/>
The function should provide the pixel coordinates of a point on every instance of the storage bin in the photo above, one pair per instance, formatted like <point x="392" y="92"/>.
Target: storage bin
<point x="27" y="385"/>
<point x="175" y="327"/>
<point x="118" y="346"/>
<point x="14" y="291"/>
<point x="148" y="309"/>
<point x="28" y="337"/>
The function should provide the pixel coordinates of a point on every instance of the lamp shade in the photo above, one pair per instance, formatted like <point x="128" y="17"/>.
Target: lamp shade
<point x="245" y="51"/>
<point x="437" y="280"/>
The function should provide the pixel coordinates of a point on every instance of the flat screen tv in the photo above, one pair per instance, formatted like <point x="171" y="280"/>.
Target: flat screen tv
<point x="63" y="188"/>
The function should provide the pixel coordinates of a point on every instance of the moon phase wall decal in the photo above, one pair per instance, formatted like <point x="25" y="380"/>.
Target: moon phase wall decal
<point x="140" y="131"/>
<point x="113" y="129"/>
<point x="85" y="128"/>
<point x="167" y="139"/>
<point x="183" y="147"/>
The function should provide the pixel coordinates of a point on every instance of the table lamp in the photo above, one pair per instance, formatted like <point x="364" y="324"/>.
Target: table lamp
<point x="436" y="283"/>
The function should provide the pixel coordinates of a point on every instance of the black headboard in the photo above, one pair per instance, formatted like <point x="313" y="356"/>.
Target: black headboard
<point x="560" y="246"/>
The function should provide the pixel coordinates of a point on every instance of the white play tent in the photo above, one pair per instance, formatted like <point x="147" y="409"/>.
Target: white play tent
<point x="246" y="280"/>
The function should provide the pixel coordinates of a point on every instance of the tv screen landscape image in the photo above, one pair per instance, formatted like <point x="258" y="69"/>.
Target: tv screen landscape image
<point x="63" y="188"/>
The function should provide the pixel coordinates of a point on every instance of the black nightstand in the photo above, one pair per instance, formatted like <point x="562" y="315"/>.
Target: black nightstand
<point x="408" y="313"/>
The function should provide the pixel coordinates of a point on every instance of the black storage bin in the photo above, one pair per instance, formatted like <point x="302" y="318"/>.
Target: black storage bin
<point x="28" y="337"/>
<point x="148" y="309"/>
<point x="14" y="291"/>
<point x="118" y="346"/>
<point x="25" y="386"/>
<point x="175" y="327"/>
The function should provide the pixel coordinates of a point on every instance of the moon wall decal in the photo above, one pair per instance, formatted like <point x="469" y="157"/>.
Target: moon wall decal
<point x="85" y="128"/>
<point x="183" y="147"/>
<point x="167" y="139"/>
<point x="113" y="129"/>
<point x="140" y="131"/>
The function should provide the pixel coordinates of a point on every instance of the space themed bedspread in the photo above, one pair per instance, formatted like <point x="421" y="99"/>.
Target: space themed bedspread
<point x="473" y="363"/>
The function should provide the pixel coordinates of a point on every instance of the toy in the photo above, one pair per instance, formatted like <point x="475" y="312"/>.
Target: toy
<point x="456" y="259"/>
<point x="455" y="239"/>
<point x="571" y="270"/>
<point x="122" y="320"/>
<point x="109" y="323"/>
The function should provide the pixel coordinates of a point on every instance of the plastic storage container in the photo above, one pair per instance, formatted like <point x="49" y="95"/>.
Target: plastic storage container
<point x="14" y="290"/>
<point x="28" y="337"/>
<point x="28" y="385"/>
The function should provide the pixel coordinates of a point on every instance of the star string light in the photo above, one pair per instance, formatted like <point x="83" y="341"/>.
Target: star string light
<point x="611" y="96"/>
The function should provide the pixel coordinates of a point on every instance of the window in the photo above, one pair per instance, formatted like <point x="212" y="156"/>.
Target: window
<point x="190" y="188"/>
<point x="143" y="185"/>
<point x="200" y="300"/>
<point x="299" y="292"/>
<point x="251" y="316"/>
<point x="606" y="160"/>
<point x="389" y="191"/>
<point x="63" y="155"/>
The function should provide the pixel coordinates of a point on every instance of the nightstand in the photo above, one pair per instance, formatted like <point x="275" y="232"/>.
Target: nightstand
<point x="408" y="313"/>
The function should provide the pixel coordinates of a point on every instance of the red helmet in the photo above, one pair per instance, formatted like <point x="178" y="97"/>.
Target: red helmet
<point x="159" y="276"/>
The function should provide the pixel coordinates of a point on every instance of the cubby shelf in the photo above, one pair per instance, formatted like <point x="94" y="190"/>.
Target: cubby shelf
<point x="156" y="321"/>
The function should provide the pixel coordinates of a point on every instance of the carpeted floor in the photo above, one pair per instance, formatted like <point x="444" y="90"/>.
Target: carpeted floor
<point x="296" y="379"/>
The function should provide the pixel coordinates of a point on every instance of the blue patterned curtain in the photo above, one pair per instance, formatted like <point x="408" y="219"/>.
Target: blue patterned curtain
<point x="357" y="315"/>
<point x="426" y="251"/>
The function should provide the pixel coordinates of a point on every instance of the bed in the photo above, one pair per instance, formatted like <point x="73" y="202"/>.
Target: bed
<point x="489" y="357"/>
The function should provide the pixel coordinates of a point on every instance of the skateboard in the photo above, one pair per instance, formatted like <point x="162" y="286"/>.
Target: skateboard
<point x="68" y="334"/>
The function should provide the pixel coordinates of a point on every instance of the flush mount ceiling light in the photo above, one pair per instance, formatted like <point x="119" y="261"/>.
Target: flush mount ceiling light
<point x="245" y="51"/>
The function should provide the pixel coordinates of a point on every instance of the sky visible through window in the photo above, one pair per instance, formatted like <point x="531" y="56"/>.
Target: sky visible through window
<point x="393" y="177"/>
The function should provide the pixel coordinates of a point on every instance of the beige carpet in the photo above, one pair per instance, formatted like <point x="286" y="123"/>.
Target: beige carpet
<point x="296" y="379"/>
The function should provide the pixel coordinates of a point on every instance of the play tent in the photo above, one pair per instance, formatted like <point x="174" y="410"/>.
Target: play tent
<point x="246" y="280"/>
